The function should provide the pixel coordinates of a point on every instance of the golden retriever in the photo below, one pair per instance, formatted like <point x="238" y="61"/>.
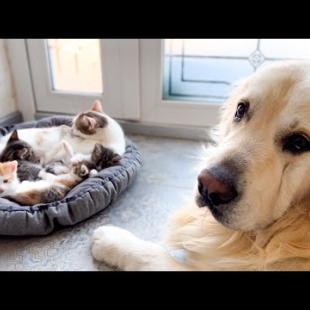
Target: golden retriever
<point x="251" y="211"/>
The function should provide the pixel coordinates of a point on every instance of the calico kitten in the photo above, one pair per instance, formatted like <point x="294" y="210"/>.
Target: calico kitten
<point x="24" y="180"/>
<point x="51" y="188"/>
<point x="27" y="192"/>
<point x="30" y="184"/>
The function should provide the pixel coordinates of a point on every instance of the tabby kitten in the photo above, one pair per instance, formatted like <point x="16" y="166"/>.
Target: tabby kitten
<point x="24" y="180"/>
<point x="28" y="162"/>
<point x="104" y="157"/>
<point x="101" y="158"/>
<point x="29" y="167"/>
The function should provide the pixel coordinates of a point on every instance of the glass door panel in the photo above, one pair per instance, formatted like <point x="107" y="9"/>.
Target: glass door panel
<point x="68" y="74"/>
<point x="75" y="65"/>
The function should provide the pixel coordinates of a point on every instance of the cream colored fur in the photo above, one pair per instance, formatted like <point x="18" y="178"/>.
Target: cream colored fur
<point x="270" y="226"/>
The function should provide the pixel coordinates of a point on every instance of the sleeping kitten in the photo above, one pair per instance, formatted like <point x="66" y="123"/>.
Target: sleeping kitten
<point x="104" y="157"/>
<point x="100" y="158"/>
<point x="28" y="162"/>
<point x="29" y="167"/>
<point x="27" y="192"/>
<point x="24" y="180"/>
<point x="88" y="128"/>
<point x="51" y="188"/>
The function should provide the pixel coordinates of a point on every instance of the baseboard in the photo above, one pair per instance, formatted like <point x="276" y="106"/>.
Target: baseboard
<point x="11" y="119"/>
<point x="180" y="132"/>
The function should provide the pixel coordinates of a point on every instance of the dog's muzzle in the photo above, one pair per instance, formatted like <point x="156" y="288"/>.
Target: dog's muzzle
<point x="216" y="188"/>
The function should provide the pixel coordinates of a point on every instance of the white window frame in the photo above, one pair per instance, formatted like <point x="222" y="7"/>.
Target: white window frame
<point x="156" y="110"/>
<point x="120" y="63"/>
<point x="140" y="100"/>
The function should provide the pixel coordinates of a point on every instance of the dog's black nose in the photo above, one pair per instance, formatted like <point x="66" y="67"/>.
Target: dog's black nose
<point x="214" y="189"/>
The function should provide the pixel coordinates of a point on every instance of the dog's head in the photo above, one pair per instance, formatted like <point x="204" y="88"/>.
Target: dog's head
<point x="260" y="165"/>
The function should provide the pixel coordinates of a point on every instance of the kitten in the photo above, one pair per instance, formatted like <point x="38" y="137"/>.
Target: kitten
<point x="29" y="167"/>
<point x="88" y="128"/>
<point x="28" y="183"/>
<point x="28" y="162"/>
<point x="100" y="158"/>
<point x="27" y="192"/>
<point x="51" y="188"/>
<point x="104" y="157"/>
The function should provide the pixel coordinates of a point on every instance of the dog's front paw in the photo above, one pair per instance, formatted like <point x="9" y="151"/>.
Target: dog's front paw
<point x="110" y="244"/>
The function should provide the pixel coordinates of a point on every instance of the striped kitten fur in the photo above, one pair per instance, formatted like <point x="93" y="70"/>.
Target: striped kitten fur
<point x="24" y="180"/>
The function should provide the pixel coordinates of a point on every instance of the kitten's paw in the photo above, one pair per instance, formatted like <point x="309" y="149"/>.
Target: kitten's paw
<point x="93" y="173"/>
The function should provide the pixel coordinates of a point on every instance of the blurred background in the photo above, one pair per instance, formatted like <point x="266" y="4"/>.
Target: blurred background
<point x="170" y="87"/>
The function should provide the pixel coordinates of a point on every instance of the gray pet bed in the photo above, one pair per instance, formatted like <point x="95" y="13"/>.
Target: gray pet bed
<point x="86" y="199"/>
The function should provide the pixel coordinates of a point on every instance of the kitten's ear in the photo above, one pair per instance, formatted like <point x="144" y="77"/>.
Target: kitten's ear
<point x="10" y="167"/>
<point x="98" y="148"/>
<point x="97" y="152"/>
<point x="97" y="106"/>
<point x="14" y="136"/>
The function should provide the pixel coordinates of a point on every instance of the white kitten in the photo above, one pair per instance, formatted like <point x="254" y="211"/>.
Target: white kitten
<point x="88" y="128"/>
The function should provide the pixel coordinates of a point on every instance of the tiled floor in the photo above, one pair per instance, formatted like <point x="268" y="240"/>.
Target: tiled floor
<point x="163" y="185"/>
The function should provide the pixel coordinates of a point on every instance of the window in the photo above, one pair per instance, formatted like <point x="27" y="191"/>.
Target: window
<point x="205" y="69"/>
<point x="162" y="82"/>
<point x="68" y="74"/>
<point x="75" y="65"/>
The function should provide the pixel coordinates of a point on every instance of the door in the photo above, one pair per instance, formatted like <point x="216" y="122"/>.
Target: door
<point x="177" y="83"/>
<point x="68" y="74"/>
<point x="186" y="81"/>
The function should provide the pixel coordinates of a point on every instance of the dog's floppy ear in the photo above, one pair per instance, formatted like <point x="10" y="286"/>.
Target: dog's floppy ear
<point x="97" y="106"/>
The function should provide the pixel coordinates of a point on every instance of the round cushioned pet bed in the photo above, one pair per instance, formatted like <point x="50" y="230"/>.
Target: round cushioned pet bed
<point x="86" y="199"/>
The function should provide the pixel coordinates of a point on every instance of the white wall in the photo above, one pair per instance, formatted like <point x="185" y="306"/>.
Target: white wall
<point x="7" y="93"/>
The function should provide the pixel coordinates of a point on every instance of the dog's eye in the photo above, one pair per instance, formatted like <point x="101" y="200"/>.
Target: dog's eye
<point x="296" y="143"/>
<point x="5" y="181"/>
<point x="242" y="108"/>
